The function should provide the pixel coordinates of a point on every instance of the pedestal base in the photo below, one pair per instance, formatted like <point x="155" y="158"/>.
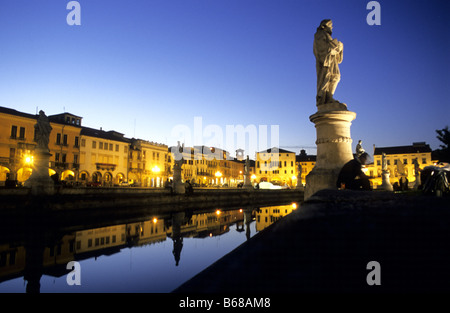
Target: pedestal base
<point x="334" y="146"/>
<point x="385" y="183"/>
<point x="40" y="181"/>
<point x="319" y="179"/>
<point x="179" y="188"/>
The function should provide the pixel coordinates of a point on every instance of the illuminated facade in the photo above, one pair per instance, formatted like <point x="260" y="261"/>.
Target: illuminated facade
<point x="147" y="163"/>
<point x="269" y="215"/>
<point x="277" y="166"/>
<point x="307" y="163"/>
<point x="210" y="166"/>
<point x="17" y="144"/>
<point x="400" y="162"/>
<point x="103" y="157"/>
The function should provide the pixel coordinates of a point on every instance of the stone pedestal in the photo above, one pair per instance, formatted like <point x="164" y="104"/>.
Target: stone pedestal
<point x="385" y="182"/>
<point x="178" y="185"/>
<point x="334" y="146"/>
<point x="247" y="182"/>
<point x="40" y="181"/>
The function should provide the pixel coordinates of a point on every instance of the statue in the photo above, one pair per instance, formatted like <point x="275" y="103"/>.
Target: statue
<point x="40" y="181"/>
<point x="359" y="149"/>
<point x="43" y="130"/>
<point x="178" y="186"/>
<point x="385" y="181"/>
<point x="247" y="182"/>
<point x="328" y="53"/>
<point x="299" y="177"/>
<point x="417" y="173"/>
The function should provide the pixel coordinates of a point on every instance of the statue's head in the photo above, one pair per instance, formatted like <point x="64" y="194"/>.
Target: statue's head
<point x="326" y="25"/>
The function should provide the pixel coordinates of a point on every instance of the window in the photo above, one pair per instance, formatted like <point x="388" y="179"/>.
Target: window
<point x="13" y="132"/>
<point x="424" y="160"/>
<point x="111" y="147"/>
<point x="405" y="161"/>
<point x="94" y="144"/>
<point x="56" y="157"/>
<point x="22" y="133"/>
<point x="83" y="142"/>
<point x="75" y="158"/>
<point x="58" y="139"/>
<point x="77" y="141"/>
<point x="100" y="145"/>
<point x="65" y="140"/>
<point x="117" y="148"/>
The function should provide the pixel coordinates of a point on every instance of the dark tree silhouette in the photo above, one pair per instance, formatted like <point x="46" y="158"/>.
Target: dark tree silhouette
<point x="443" y="154"/>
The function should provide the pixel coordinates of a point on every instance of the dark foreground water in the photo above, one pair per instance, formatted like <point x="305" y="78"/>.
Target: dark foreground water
<point x="149" y="254"/>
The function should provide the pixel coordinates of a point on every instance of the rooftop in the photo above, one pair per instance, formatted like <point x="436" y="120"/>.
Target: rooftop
<point x="417" y="147"/>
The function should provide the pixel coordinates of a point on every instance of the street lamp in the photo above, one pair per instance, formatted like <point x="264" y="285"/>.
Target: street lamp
<point x="29" y="159"/>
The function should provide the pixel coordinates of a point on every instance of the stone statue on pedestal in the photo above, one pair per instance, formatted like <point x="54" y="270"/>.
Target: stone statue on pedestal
<point x="385" y="182"/>
<point x="43" y="130"/>
<point x="178" y="186"/>
<point x="417" y="173"/>
<point x="329" y="54"/>
<point x="332" y="119"/>
<point x="299" y="177"/>
<point x="247" y="182"/>
<point x="359" y="149"/>
<point x="40" y="181"/>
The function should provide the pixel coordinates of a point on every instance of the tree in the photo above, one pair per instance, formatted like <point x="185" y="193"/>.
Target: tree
<point x="443" y="154"/>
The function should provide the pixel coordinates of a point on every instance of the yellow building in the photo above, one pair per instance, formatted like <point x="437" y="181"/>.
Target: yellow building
<point x="100" y="238"/>
<point x="210" y="166"/>
<point x="64" y="145"/>
<point x="400" y="162"/>
<point x="17" y="144"/>
<point x="269" y="215"/>
<point x="277" y="166"/>
<point x="147" y="163"/>
<point x="307" y="163"/>
<point x="103" y="157"/>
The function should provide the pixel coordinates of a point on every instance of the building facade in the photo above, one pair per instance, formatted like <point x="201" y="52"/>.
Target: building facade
<point x="306" y="163"/>
<point x="147" y="163"/>
<point x="277" y="166"/>
<point x="401" y="162"/>
<point x="17" y="145"/>
<point x="103" y="157"/>
<point x="210" y="166"/>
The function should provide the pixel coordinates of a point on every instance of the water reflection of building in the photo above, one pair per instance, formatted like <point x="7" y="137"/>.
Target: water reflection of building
<point x="36" y="256"/>
<point x="269" y="215"/>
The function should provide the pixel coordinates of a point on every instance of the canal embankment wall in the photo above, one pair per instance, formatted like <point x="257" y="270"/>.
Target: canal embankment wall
<point x="330" y="244"/>
<point x="69" y="199"/>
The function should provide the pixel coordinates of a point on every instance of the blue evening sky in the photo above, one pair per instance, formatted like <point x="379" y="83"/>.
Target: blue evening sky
<point x="142" y="67"/>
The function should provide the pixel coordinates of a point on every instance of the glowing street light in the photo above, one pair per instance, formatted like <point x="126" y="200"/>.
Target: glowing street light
<point x="29" y="160"/>
<point x="156" y="169"/>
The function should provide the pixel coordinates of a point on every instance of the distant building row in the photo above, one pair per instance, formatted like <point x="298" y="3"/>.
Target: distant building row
<point x="88" y="156"/>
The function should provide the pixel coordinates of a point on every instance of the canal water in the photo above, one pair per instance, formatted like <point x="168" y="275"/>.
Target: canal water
<point x="149" y="254"/>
